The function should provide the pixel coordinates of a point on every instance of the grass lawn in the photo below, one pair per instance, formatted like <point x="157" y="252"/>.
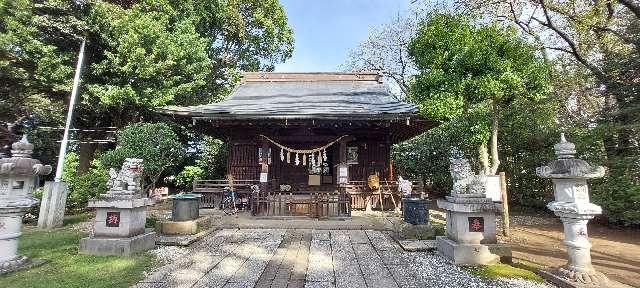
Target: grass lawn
<point x="65" y="268"/>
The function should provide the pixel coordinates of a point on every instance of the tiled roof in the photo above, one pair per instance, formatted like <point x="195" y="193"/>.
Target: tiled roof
<point x="304" y="95"/>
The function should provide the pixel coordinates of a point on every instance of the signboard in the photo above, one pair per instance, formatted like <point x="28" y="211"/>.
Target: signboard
<point x="113" y="219"/>
<point x="493" y="188"/>
<point x="476" y="224"/>
<point x="352" y="155"/>
<point x="343" y="174"/>
<point x="263" y="177"/>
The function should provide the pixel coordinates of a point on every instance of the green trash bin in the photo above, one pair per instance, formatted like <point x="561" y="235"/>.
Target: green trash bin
<point x="185" y="207"/>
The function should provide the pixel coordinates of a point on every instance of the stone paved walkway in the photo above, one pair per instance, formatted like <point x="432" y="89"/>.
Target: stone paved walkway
<point x="312" y="258"/>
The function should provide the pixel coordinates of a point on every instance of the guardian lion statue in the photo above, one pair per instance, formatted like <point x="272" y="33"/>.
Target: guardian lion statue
<point x="128" y="178"/>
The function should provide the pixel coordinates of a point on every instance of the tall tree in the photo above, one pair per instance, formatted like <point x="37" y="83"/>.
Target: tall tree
<point x="599" y="36"/>
<point x="185" y="52"/>
<point x="464" y="66"/>
<point x="386" y="50"/>
<point x="36" y="57"/>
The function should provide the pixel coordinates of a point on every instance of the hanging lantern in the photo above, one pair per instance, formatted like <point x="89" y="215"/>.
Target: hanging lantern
<point x="288" y="157"/>
<point x="281" y="154"/>
<point x="304" y="159"/>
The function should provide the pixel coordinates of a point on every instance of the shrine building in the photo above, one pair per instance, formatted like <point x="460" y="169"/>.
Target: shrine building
<point x="309" y="140"/>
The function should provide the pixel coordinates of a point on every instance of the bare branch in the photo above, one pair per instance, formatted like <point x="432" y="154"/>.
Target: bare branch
<point x="567" y="39"/>
<point x="634" y="7"/>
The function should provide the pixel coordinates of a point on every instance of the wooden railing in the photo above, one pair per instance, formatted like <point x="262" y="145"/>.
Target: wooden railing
<point x="363" y="197"/>
<point x="313" y="203"/>
<point x="212" y="191"/>
<point x="328" y="204"/>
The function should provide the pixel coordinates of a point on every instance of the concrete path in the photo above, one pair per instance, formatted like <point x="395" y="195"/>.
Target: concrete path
<point x="244" y="220"/>
<point x="312" y="258"/>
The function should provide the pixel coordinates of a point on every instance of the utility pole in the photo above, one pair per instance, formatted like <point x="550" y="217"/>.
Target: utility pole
<point x="72" y="102"/>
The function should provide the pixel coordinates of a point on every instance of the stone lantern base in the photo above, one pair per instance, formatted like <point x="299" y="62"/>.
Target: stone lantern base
<point x="10" y="227"/>
<point x="566" y="278"/>
<point x="19" y="263"/>
<point x="119" y="228"/>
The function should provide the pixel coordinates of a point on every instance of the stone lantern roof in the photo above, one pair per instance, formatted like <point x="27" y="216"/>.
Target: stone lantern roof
<point x="566" y="165"/>
<point x="21" y="163"/>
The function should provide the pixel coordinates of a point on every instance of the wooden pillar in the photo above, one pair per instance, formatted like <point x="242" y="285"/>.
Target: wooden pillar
<point x="505" y="204"/>
<point x="264" y="167"/>
<point x="264" y="184"/>
<point x="343" y="198"/>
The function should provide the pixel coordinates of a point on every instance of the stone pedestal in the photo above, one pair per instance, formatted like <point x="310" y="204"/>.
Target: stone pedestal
<point x="415" y="224"/>
<point x="178" y="227"/>
<point x="118" y="246"/>
<point x="121" y="215"/>
<point x="52" y="205"/>
<point x="17" y="181"/>
<point x="119" y="228"/>
<point x="569" y="176"/>
<point x="471" y="227"/>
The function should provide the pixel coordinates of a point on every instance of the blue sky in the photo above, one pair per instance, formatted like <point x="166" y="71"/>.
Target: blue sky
<point x="326" y="30"/>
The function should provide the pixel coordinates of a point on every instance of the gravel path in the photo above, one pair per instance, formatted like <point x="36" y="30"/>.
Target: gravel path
<point x="309" y="258"/>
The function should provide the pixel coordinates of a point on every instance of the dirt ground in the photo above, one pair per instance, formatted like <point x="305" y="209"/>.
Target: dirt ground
<point x="615" y="251"/>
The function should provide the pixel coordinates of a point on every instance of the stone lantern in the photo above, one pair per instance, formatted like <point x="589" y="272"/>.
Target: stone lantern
<point x="571" y="204"/>
<point x="17" y="180"/>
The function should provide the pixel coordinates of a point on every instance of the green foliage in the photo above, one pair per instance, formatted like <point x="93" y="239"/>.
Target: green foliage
<point x="139" y="55"/>
<point x="150" y="222"/>
<point x="155" y="143"/>
<point x="462" y="64"/>
<point x="34" y="71"/>
<point x="469" y="74"/>
<point x="185" y="178"/>
<point x="212" y="158"/>
<point x="89" y="185"/>
<point x="528" y="135"/>
<point x="506" y="271"/>
<point x="259" y="32"/>
<point x="66" y="268"/>
<point x="150" y="61"/>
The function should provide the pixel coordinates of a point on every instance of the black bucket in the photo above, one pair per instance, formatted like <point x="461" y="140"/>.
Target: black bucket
<point x="415" y="211"/>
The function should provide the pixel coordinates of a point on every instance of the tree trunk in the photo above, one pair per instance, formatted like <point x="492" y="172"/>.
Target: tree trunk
<point x="85" y="155"/>
<point x="484" y="158"/>
<point x="495" y="159"/>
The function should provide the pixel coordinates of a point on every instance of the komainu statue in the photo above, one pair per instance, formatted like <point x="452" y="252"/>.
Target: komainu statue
<point x="128" y="178"/>
<point x="464" y="181"/>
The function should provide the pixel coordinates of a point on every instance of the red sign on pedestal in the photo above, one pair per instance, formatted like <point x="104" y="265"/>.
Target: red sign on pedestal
<point x="476" y="224"/>
<point x="113" y="219"/>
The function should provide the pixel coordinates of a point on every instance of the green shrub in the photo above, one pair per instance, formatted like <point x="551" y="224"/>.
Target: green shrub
<point x="86" y="186"/>
<point x="184" y="179"/>
<point x="155" y="143"/>
<point x="619" y="196"/>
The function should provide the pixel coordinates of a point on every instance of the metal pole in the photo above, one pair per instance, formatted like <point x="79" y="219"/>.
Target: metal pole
<point x="72" y="102"/>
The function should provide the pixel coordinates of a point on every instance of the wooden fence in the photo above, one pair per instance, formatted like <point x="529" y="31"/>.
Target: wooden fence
<point x="317" y="204"/>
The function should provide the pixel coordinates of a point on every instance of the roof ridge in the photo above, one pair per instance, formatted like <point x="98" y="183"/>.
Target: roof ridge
<point x="311" y="76"/>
